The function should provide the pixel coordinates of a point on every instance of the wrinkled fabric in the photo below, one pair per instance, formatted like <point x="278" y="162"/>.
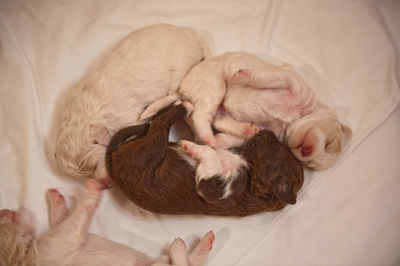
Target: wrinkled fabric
<point x="348" y="51"/>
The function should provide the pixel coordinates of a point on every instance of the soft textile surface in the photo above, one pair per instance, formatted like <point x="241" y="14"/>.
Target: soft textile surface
<point x="347" y="50"/>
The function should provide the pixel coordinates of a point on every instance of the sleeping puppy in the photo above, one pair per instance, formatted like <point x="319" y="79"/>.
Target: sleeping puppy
<point x="68" y="242"/>
<point x="145" y="66"/>
<point x="239" y="93"/>
<point x="187" y="178"/>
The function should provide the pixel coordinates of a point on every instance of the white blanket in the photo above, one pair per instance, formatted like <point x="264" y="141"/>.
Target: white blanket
<point x="347" y="50"/>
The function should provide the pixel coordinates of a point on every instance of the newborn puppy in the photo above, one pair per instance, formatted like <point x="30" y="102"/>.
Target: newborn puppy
<point x="187" y="178"/>
<point x="68" y="242"/>
<point x="234" y="90"/>
<point x="145" y="66"/>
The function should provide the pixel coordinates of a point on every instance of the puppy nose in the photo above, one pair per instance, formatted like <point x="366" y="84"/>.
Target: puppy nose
<point x="306" y="150"/>
<point x="106" y="182"/>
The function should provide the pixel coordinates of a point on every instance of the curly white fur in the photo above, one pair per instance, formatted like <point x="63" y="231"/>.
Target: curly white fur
<point x="144" y="67"/>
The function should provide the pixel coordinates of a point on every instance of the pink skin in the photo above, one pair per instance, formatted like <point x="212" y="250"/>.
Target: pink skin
<point x="225" y="123"/>
<point x="58" y="208"/>
<point x="218" y="161"/>
<point x="199" y="254"/>
<point x="306" y="142"/>
<point x="305" y="150"/>
<point x="187" y="149"/>
<point x="68" y="238"/>
<point x="78" y="221"/>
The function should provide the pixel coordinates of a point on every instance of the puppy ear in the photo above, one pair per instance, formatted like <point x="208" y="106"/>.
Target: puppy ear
<point x="284" y="191"/>
<point x="346" y="131"/>
<point x="99" y="134"/>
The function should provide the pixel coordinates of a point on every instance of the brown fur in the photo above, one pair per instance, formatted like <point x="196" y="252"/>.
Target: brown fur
<point x="155" y="176"/>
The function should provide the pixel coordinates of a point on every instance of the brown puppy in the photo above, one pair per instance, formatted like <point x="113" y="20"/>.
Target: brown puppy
<point x="156" y="175"/>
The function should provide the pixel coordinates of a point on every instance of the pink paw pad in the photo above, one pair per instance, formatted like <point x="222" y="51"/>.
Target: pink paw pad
<point x="250" y="131"/>
<point x="186" y="149"/>
<point x="206" y="242"/>
<point x="55" y="197"/>
<point x="210" y="237"/>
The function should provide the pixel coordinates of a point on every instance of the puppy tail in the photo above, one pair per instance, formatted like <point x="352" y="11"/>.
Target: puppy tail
<point x="156" y="106"/>
<point x="125" y="135"/>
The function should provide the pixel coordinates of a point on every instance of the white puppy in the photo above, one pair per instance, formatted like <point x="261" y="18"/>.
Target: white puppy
<point x="145" y="66"/>
<point x="68" y="242"/>
<point x="238" y="93"/>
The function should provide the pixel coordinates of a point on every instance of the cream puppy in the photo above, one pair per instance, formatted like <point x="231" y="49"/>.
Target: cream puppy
<point x="68" y="242"/>
<point x="145" y="66"/>
<point x="237" y="93"/>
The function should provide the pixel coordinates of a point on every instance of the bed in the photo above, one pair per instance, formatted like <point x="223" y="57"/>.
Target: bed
<point x="349" y="51"/>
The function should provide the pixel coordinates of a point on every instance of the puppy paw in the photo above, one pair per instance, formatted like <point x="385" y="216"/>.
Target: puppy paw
<point x="55" y="198"/>
<point x="178" y="253"/>
<point x="188" y="148"/>
<point x="200" y="253"/>
<point x="189" y="107"/>
<point x="250" y="131"/>
<point x="242" y="76"/>
<point x="57" y="206"/>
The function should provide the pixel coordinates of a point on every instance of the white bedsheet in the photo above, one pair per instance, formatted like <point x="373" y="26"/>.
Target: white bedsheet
<point x="347" y="50"/>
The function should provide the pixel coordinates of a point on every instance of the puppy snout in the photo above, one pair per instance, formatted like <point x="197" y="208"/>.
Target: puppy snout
<point x="306" y="150"/>
<point x="106" y="183"/>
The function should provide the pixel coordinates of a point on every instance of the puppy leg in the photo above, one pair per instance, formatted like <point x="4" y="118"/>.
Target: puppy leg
<point x="76" y="225"/>
<point x="58" y="210"/>
<point x="227" y="124"/>
<point x="178" y="253"/>
<point x="212" y="162"/>
<point x="205" y="108"/>
<point x="156" y="106"/>
<point x="278" y="78"/>
<point x="201" y="123"/>
<point x="209" y="163"/>
<point x="227" y="141"/>
<point x="199" y="255"/>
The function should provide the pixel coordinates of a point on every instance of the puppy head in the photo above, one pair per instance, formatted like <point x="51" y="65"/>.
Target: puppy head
<point x="81" y="149"/>
<point x="275" y="170"/>
<point x="16" y="236"/>
<point x="318" y="139"/>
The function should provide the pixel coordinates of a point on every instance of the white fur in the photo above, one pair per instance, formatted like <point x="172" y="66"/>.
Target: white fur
<point x="68" y="242"/>
<point x="209" y="162"/>
<point x="238" y="93"/>
<point x="145" y="66"/>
